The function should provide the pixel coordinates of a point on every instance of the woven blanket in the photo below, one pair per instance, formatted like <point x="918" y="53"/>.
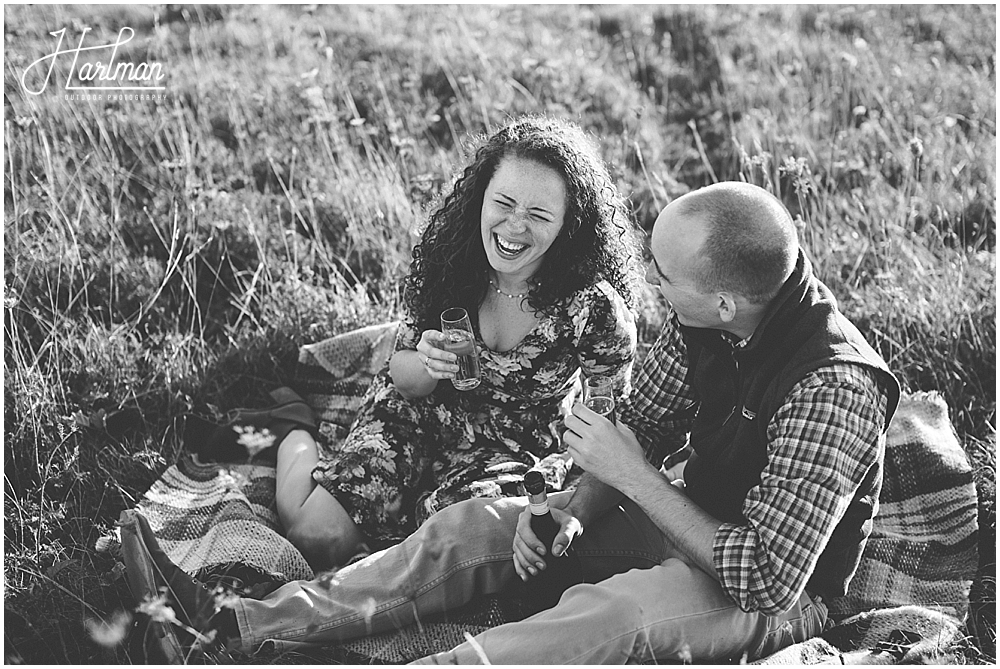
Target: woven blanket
<point x="914" y="577"/>
<point x="901" y="635"/>
<point x="924" y="543"/>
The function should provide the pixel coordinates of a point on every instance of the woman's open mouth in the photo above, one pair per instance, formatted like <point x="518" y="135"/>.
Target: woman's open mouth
<point x="508" y="249"/>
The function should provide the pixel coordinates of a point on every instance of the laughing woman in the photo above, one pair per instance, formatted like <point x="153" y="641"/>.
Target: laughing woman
<point x="534" y="241"/>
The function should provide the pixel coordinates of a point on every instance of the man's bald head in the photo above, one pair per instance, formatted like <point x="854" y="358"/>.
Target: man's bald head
<point x="751" y="246"/>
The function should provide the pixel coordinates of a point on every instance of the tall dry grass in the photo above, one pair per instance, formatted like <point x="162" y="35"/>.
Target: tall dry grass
<point x="171" y="256"/>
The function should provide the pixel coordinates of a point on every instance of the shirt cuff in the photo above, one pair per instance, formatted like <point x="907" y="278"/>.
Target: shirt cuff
<point x="732" y="554"/>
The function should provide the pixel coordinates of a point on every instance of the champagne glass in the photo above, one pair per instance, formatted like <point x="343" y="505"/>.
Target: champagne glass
<point x="459" y="340"/>
<point x="599" y="397"/>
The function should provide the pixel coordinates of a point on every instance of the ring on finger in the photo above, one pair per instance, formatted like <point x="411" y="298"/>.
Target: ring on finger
<point x="427" y="361"/>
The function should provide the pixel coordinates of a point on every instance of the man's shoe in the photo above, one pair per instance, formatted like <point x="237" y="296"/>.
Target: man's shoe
<point x="158" y="583"/>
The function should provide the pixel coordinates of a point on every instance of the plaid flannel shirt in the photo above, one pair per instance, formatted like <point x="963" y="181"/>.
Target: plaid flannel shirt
<point x="821" y="442"/>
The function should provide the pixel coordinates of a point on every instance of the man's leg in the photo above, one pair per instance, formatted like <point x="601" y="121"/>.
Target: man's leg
<point x="462" y="552"/>
<point x="669" y="612"/>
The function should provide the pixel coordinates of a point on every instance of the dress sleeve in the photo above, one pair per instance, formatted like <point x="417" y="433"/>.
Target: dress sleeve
<point x="604" y="335"/>
<point x="662" y="405"/>
<point x="407" y="335"/>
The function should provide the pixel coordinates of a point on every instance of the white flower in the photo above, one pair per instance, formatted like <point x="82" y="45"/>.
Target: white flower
<point x="252" y="440"/>
<point x="226" y="600"/>
<point x="231" y="480"/>
<point x="313" y="96"/>
<point x="158" y="609"/>
<point x="109" y="632"/>
<point x="107" y="543"/>
<point x="368" y="610"/>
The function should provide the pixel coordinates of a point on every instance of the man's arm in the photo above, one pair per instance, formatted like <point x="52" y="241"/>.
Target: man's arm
<point x="613" y="454"/>
<point x="659" y="406"/>
<point x="823" y="441"/>
<point x="591" y="499"/>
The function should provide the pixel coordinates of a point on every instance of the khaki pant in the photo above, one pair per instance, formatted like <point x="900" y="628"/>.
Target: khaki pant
<point x="640" y="602"/>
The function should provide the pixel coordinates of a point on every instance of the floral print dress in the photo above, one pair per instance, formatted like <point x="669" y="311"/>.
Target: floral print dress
<point x="405" y="459"/>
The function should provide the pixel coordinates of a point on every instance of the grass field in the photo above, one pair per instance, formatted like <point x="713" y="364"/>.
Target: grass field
<point x="171" y="255"/>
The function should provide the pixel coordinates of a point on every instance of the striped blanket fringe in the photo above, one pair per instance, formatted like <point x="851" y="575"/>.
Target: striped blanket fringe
<point x="906" y="603"/>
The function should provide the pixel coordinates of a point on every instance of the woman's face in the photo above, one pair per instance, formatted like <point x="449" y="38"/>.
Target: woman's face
<point x="523" y="212"/>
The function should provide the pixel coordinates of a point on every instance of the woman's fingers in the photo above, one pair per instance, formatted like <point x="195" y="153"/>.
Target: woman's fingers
<point x="439" y="363"/>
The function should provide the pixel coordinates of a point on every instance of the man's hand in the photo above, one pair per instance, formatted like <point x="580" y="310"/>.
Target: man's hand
<point x="528" y="550"/>
<point x="607" y="451"/>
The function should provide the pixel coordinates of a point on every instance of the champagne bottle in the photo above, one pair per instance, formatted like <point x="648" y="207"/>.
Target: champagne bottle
<point x="543" y="590"/>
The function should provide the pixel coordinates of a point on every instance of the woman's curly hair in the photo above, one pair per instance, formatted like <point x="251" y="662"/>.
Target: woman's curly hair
<point x="597" y="241"/>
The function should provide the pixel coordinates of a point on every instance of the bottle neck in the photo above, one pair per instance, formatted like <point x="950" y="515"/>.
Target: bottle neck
<point x="538" y="504"/>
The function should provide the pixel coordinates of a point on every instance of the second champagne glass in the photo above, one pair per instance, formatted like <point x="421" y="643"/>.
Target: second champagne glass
<point x="598" y="396"/>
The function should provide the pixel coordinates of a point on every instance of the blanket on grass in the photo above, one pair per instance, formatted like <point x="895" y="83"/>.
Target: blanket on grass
<point x="906" y="603"/>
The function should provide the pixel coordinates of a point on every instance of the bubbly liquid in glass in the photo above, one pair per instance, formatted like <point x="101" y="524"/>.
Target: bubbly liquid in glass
<point x="460" y="343"/>
<point x="604" y="406"/>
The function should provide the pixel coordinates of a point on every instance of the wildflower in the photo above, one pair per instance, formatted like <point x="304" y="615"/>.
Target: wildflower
<point x="797" y="170"/>
<point x="328" y="579"/>
<point x="252" y="440"/>
<point x="313" y="96"/>
<point x="158" y="609"/>
<point x="208" y="637"/>
<point x="225" y="599"/>
<point x="108" y="543"/>
<point x="111" y="632"/>
<point x="916" y="147"/>
<point x="685" y="655"/>
<point x="368" y="610"/>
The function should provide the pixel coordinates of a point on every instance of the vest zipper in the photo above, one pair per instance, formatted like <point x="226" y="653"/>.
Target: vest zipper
<point x="736" y="399"/>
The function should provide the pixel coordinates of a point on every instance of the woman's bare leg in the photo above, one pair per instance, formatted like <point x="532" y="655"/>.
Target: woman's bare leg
<point x="313" y="519"/>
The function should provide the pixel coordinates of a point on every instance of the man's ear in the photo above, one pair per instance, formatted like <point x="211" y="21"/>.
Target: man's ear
<point x="727" y="307"/>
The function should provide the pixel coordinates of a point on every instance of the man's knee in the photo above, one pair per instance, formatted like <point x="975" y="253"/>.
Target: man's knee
<point x="618" y="606"/>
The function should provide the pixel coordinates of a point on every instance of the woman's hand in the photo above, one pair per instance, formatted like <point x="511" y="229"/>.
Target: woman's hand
<point x="416" y="373"/>
<point x="528" y="549"/>
<point x="438" y="363"/>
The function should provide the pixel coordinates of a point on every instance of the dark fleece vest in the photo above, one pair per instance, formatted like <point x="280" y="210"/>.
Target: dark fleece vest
<point x="739" y="391"/>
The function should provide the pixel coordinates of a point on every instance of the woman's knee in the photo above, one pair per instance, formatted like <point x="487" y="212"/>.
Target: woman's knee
<point x="324" y="545"/>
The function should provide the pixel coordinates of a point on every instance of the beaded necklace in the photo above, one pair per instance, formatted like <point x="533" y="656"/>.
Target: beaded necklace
<point x="519" y="296"/>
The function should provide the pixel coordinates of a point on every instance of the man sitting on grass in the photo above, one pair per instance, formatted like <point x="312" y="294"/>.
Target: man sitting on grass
<point x="784" y="405"/>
